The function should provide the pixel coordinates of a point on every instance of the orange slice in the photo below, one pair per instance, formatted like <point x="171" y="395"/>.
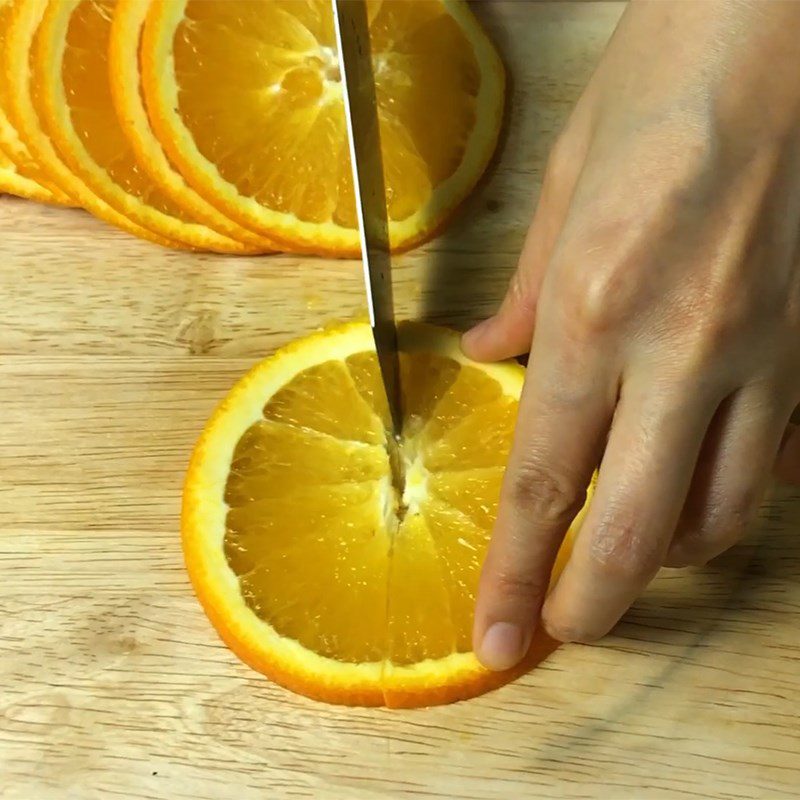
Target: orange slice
<point x="13" y="182"/>
<point x="24" y="178"/>
<point x="316" y="562"/>
<point x="24" y="109"/>
<point x="71" y="73"/>
<point x="247" y="101"/>
<point x="126" y="32"/>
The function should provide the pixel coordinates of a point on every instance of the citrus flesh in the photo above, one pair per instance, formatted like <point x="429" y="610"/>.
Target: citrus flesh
<point x="72" y="75"/>
<point x="339" y="562"/>
<point x="124" y="74"/>
<point x="257" y="124"/>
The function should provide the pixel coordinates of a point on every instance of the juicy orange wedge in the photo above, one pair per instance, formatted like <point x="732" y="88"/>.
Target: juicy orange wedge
<point x="340" y="563"/>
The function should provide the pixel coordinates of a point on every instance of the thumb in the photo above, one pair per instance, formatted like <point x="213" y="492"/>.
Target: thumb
<point x="510" y="331"/>
<point x="787" y="467"/>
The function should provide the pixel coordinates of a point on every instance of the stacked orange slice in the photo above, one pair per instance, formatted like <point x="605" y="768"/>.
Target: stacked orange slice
<point x="19" y="173"/>
<point x="219" y="124"/>
<point x="256" y="123"/>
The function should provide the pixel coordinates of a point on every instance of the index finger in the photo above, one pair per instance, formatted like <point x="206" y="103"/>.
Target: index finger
<point x="564" y="415"/>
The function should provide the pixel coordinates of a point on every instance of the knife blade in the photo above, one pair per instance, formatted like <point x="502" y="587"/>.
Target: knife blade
<point x="363" y="132"/>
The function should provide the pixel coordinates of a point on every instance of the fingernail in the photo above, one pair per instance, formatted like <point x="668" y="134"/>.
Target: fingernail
<point x="503" y="646"/>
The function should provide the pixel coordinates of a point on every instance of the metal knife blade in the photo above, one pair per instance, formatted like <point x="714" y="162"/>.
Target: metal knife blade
<point x="361" y="109"/>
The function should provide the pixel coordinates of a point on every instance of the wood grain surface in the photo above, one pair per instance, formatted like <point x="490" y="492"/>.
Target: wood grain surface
<point x="112" y="355"/>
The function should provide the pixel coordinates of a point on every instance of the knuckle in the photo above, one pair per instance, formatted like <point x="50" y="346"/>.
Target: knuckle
<point x="708" y="332"/>
<point x="597" y="297"/>
<point x="713" y="319"/>
<point x="597" y="307"/>
<point x="622" y="549"/>
<point x="551" y="497"/>
<point x="517" y="585"/>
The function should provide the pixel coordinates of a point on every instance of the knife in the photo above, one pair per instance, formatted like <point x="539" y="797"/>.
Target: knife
<point x="363" y="133"/>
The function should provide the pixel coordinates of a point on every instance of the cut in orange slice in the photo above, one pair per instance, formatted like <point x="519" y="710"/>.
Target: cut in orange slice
<point x="125" y="77"/>
<point x="20" y="171"/>
<point x="246" y="98"/>
<point x="339" y="563"/>
<point x="71" y="73"/>
<point x="24" y="110"/>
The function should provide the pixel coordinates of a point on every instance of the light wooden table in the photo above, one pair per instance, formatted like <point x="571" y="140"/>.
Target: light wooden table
<point x="113" y="353"/>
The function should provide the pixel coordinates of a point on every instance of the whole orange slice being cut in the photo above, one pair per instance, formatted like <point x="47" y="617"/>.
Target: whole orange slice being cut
<point x="246" y="98"/>
<point x="336" y="561"/>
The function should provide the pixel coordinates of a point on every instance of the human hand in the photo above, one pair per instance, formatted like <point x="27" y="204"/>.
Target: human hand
<point x="659" y="294"/>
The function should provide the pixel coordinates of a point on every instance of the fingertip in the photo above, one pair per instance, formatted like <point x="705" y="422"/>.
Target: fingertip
<point x="556" y="629"/>
<point x="494" y="340"/>
<point x="564" y="628"/>
<point x="473" y="342"/>
<point x="503" y="646"/>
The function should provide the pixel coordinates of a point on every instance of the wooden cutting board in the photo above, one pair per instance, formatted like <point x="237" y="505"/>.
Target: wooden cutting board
<point x="112" y="355"/>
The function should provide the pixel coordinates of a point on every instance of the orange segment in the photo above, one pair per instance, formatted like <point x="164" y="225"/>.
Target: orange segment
<point x="257" y="124"/>
<point x="272" y="459"/>
<point x="480" y="439"/>
<point x="460" y="545"/>
<point x="366" y="375"/>
<point x="318" y="561"/>
<point x="420" y="621"/>
<point x="425" y="378"/>
<point x="71" y="73"/>
<point x="424" y="65"/>
<point x="472" y="492"/>
<point x="325" y="399"/>
<point x="276" y="549"/>
<point x="470" y="388"/>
